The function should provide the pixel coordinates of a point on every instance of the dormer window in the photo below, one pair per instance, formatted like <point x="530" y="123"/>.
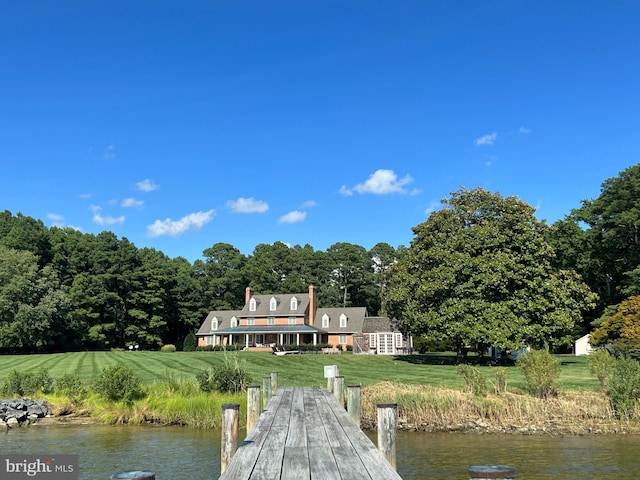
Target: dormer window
<point x="294" y="303"/>
<point x="325" y="321"/>
<point x="214" y="323"/>
<point x="252" y="305"/>
<point x="234" y="322"/>
<point x="273" y="304"/>
<point x="343" y="321"/>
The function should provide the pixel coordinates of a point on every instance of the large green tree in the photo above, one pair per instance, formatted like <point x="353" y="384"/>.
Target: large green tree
<point x="479" y="272"/>
<point x="610" y="259"/>
<point x="33" y="304"/>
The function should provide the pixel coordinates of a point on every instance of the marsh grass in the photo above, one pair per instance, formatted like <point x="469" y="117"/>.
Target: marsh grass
<point x="423" y="407"/>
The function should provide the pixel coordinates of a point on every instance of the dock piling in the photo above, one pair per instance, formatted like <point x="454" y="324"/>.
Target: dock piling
<point x="266" y="390"/>
<point x="253" y="406"/>
<point x="274" y="382"/>
<point x="354" y="403"/>
<point x="229" y="444"/>
<point x="387" y="426"/>
<point x="493" y="472"/>
<point x="338" y="389"/>
<point x="133" y="474"/>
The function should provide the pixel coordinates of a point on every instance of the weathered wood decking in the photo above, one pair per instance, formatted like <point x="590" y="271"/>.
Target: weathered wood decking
<point x="304" y="433"/>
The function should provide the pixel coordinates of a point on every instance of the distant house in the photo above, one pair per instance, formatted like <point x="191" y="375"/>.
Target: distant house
<point x="582" y="345"/>
<point x="296" y="319"/>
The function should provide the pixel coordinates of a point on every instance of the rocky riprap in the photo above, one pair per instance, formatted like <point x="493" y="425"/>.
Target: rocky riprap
<point x="21" y="411"/>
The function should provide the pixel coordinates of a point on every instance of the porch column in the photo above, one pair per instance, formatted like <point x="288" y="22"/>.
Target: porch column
<point x="230" y="339"/>
<point x="215" y="340"/>
<point x="315" y="338"/>
<point x="297" y="339"/>
<point x="281" y="339"/>
<point x="246" y="340"/>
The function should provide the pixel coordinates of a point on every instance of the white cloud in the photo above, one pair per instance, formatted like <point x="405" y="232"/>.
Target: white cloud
<point x="309" y="204"/>
<point x="432" y="207"/>
<point x="293" y="217"/>
<point x="247" y="205"/>
<point x="488" y="139"/>
<point x="147" y="185"/>
<point x="57" y="220"/>
<point x="131" y="203"/>
<point x="524" y="130"/>
<point x="110" y="152"/>
<point x="345" y="191"/>
<point x="104" y="220"/>
<point x="174" y="228"/>
<point x="383" y="182"/>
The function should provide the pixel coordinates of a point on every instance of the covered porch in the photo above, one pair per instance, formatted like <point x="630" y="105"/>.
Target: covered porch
<point x="264" y="337"/>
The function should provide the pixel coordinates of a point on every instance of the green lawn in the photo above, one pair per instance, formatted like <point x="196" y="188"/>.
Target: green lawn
<point x="294" y="370"/>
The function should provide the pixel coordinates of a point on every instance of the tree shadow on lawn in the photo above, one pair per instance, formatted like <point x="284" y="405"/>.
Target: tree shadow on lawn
<point x="428" y="359"/>
<point x="443" y="358"/>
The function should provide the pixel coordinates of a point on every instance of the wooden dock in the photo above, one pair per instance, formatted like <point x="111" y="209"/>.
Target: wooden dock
<point x="304" y="433"/>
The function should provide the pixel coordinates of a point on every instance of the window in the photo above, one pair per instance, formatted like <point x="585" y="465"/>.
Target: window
<point x="385" y="343"/>
<point x="214" y="323"/>
<point x="342" y="339"/>
<point x="252" y="305"/>
<point x="292" y="320"/>
<point x="325" y="321"/>
<point x="251" y="321"/>
<point x="398" y="340"/>
<point x="294" y="303"/>
<point x="273" y="304"/>
<point x="372" y="340"/>
<point x="208" y="340"/>
<point x="271" y="320"/>
<point x="234" y="322"/>
<point x="343" y="321"/>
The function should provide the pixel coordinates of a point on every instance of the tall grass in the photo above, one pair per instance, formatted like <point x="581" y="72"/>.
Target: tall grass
<point x="424" y="407"/>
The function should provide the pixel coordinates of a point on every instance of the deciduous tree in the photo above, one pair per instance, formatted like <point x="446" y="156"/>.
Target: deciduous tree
<point x="479" y="272"/>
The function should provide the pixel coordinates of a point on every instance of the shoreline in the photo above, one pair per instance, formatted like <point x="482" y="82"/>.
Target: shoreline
<point x="470" y="427"/>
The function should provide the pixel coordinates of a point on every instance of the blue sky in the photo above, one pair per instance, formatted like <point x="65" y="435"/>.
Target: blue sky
<point x="182" y="124"/>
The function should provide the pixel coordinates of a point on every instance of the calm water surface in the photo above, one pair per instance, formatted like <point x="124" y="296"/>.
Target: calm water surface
<point x="182" y="453"/>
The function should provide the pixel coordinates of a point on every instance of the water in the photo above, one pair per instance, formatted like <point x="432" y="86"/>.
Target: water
<point x="178" y="453"/>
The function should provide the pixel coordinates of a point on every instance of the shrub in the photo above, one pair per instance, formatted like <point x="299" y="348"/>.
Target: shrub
<point x="476" y="383"/>
<point x="190" y="343"/>
<point x="168" y="348"/>
<point x="206" y="348"/>
<point x="624" y="388"/>
<point x="71" y="387"/>
<point x="27" y="383"/>
<point x="500" y="376"/>
<point x="541" y="372"/>
<point x="118" y="383"/>
<point x="601" y="363"/>
<point x="228" y="376"/>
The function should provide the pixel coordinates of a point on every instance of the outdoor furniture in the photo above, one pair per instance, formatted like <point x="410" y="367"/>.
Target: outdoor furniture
<point x="282" y="351"/>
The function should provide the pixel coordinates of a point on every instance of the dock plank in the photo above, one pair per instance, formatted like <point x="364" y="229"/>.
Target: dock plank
<point x="304" y="433"/>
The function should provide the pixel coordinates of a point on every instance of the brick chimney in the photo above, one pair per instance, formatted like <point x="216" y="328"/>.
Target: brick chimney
<point x="313" y="304"/>
<point x="248" y="294"/>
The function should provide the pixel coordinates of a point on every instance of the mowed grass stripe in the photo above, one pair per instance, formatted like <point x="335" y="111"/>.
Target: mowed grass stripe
<point x="293" y="370"/>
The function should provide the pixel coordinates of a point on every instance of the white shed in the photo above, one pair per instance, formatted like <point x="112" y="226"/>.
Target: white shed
<point x="583" y="347"/>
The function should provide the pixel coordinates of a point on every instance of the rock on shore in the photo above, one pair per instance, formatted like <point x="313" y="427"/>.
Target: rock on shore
<point x="22" y="411"/>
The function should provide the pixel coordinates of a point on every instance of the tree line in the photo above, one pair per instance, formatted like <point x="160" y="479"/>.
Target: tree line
<point x="62" y="290"/>
<point x="480" y="271"/>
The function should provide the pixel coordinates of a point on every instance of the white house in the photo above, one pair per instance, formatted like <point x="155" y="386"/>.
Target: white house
<point x="582" y="346"/>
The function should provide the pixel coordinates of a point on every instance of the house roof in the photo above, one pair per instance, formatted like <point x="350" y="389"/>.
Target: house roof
<point x="224" y="321"/>
<point x="283" y="305"/>
<point x="355" y="319"/>
<point x="377" y="324"/>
